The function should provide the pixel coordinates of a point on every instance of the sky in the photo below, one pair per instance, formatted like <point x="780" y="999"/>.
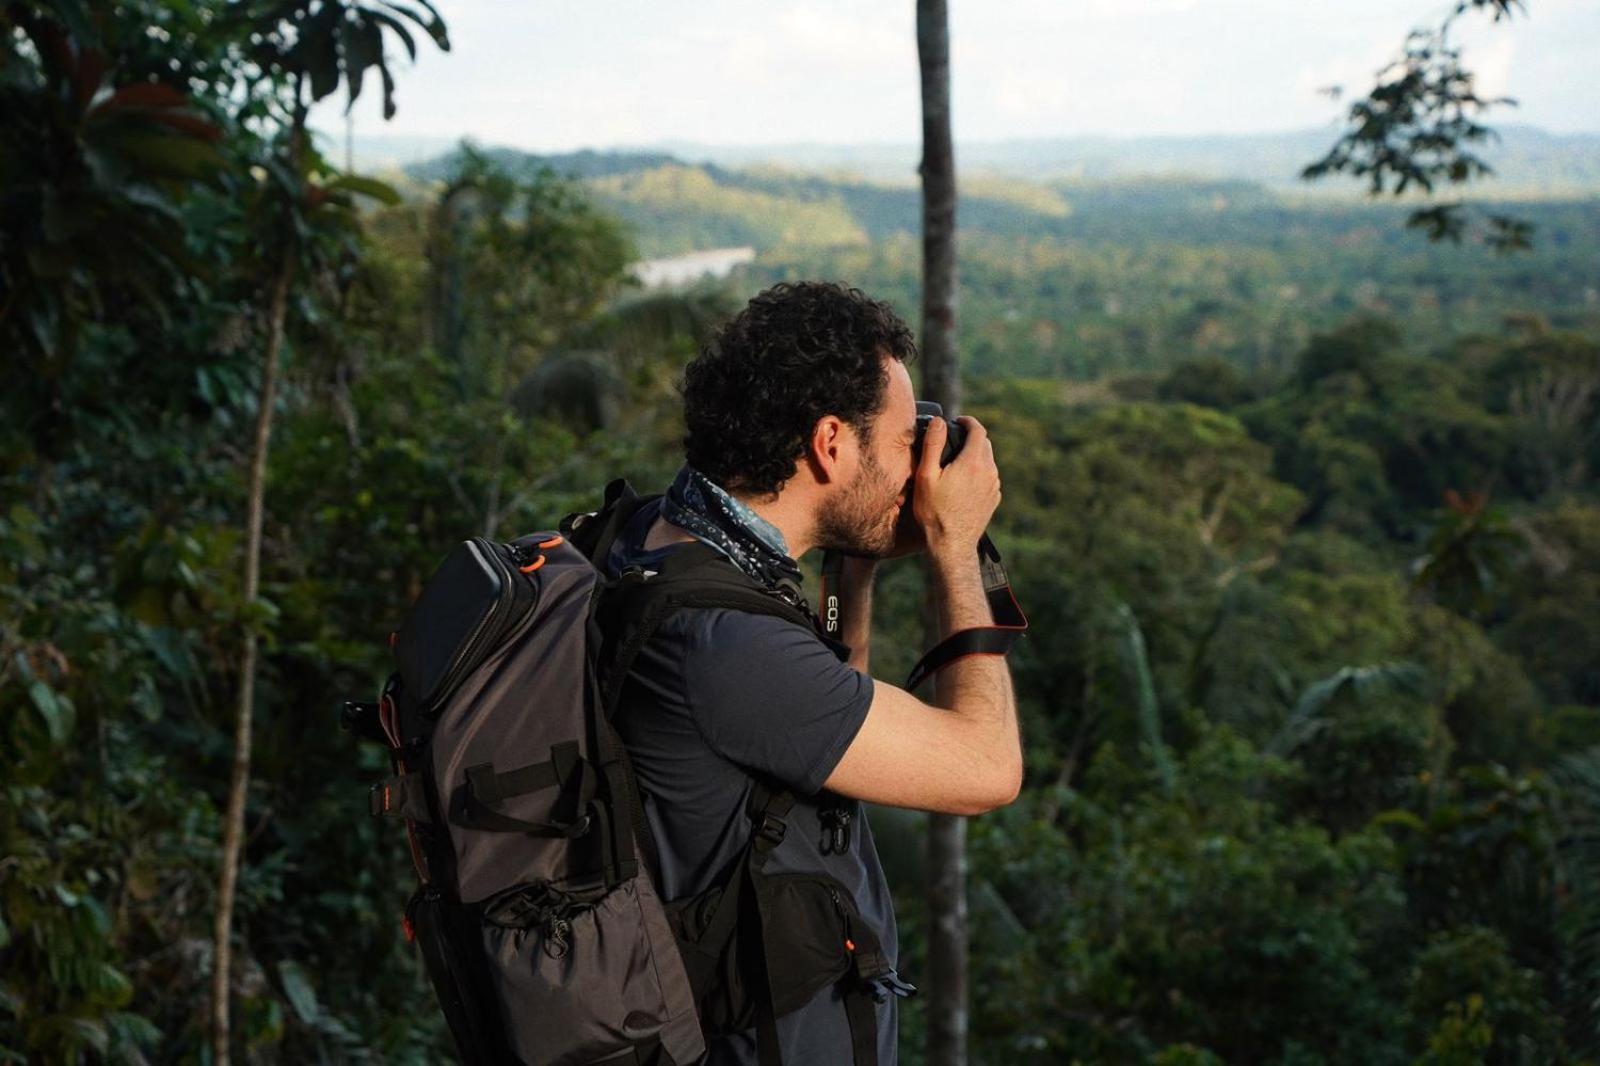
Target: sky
<point x="555" y="75"/>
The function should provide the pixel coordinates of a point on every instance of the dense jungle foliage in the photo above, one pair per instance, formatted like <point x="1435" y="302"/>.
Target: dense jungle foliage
<point x="1312" y="697"/>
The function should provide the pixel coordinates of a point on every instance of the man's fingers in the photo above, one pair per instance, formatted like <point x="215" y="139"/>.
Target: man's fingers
<point x="977" y="442"/>
<point x="977" y="452"/>
<point x="932" y="447"/>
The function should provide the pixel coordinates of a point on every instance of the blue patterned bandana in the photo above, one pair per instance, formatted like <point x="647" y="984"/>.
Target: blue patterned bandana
<point x="697" y="504"/>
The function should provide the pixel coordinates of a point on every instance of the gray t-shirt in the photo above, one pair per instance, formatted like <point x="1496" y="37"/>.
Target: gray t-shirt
<point x="719" y="693"/>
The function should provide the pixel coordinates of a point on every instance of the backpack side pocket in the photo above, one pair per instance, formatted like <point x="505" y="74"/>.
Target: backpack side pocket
<point x="580" y="980"/>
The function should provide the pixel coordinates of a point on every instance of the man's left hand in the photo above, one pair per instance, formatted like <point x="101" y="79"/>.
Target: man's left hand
<point x="908" y="535"/>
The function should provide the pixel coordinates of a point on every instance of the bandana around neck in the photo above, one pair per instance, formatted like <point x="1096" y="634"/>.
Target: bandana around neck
<point x="697" y="504"/>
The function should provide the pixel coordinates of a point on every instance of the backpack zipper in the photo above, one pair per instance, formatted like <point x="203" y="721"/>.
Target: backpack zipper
<point x="844" y="916"/>
<point x="495" y="623"/>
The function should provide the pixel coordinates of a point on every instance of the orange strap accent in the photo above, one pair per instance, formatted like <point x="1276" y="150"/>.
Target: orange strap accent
<point x="553" y="542"/>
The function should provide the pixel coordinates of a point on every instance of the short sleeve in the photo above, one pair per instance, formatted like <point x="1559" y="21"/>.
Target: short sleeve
<point x="769" y="695"/>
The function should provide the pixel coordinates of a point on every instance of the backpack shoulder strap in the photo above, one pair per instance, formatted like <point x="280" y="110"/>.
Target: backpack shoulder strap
<point x="630" y="608"/>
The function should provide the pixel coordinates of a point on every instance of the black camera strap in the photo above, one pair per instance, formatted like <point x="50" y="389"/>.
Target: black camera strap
<point x="1009" y="621"/>
<point x="828" y="609"/>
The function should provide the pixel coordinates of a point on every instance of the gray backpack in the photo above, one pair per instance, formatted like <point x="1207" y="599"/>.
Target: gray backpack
<point x="536" y="911"/>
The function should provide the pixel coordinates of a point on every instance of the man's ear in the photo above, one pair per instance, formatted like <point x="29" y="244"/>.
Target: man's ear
<point x="832" y="449"/>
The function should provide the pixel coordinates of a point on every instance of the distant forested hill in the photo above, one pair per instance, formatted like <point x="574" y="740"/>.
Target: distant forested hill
<point x="1526" y="160"/>
<point x="1079" y="277"/>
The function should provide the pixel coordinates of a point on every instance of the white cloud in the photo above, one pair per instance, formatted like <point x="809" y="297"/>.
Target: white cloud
<point x="559" y="75"/>
<point x="1490" y="54"/>
<point x="843" y="41"/>
<point x="1351" y="72"/>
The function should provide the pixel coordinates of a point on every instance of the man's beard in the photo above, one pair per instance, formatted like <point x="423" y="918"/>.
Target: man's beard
<point x="862" y="520"/>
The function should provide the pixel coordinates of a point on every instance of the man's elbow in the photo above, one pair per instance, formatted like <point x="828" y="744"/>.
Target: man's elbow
<point x="1000" y="788"/>
<point x="1010" y="785"/>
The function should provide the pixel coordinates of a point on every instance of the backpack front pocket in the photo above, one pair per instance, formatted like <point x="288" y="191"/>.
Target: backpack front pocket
<point x="811" y="929"/>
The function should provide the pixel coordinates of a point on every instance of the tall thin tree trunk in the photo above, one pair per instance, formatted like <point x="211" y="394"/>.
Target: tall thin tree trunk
<point x="941" y="372"/>
<point x="941" y="382"/>
<point x="239" y="782"/>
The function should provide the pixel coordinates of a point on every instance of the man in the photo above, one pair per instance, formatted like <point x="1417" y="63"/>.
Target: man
<point x="801" y="425"/>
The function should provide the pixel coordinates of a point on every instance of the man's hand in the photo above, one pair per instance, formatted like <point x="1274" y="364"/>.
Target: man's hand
<point x="953" y="504"/>
<point x="911" y="533"/>
<point x="908" y="536"/>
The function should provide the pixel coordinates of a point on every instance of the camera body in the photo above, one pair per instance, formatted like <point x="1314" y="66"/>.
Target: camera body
<point x="927" y="411"/>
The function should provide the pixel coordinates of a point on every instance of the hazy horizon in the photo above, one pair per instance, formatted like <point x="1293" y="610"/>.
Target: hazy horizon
<point x="1525" y="160"/>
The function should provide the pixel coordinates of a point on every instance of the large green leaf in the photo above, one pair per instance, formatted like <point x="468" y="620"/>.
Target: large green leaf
<point x="162" y="155"/>
<point x="372" y="188"/>
<point x="363" y="48"/>
<point x="298" y="988"/>
<point x="431" y="23"/>
<point x="398" y="29"/>
<point x="317" y="47"/>
<point x="54" y="708"/>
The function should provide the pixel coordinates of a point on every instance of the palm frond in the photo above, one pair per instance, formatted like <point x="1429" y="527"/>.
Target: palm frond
<point x="1138" y="661"/>
<point x="1358" y="682"/>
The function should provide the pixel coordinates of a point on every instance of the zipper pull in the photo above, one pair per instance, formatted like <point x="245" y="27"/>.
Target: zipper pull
<point x="557" y="936"/>
<point x="844" y="916"/>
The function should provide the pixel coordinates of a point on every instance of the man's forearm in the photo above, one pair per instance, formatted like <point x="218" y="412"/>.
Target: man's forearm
<point x="978" y="687"/>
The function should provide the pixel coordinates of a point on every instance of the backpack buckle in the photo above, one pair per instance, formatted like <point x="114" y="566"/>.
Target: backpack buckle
<point x="635" y="574"/>
<point x="889" y="984"/>
<point x="770" y="830"/>
<point x="399" y="795"/>
<point x="835" y="830"/>
<point x="381" y="798"/>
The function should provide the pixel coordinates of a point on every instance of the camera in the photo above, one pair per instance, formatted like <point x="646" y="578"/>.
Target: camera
<point x="927" y="411"/>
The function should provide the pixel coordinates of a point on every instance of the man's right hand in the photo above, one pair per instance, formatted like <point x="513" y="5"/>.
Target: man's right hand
<point x="953" y="504"/>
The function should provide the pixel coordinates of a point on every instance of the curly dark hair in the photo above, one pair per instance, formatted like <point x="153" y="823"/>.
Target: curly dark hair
<point x="797" y="352"/>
